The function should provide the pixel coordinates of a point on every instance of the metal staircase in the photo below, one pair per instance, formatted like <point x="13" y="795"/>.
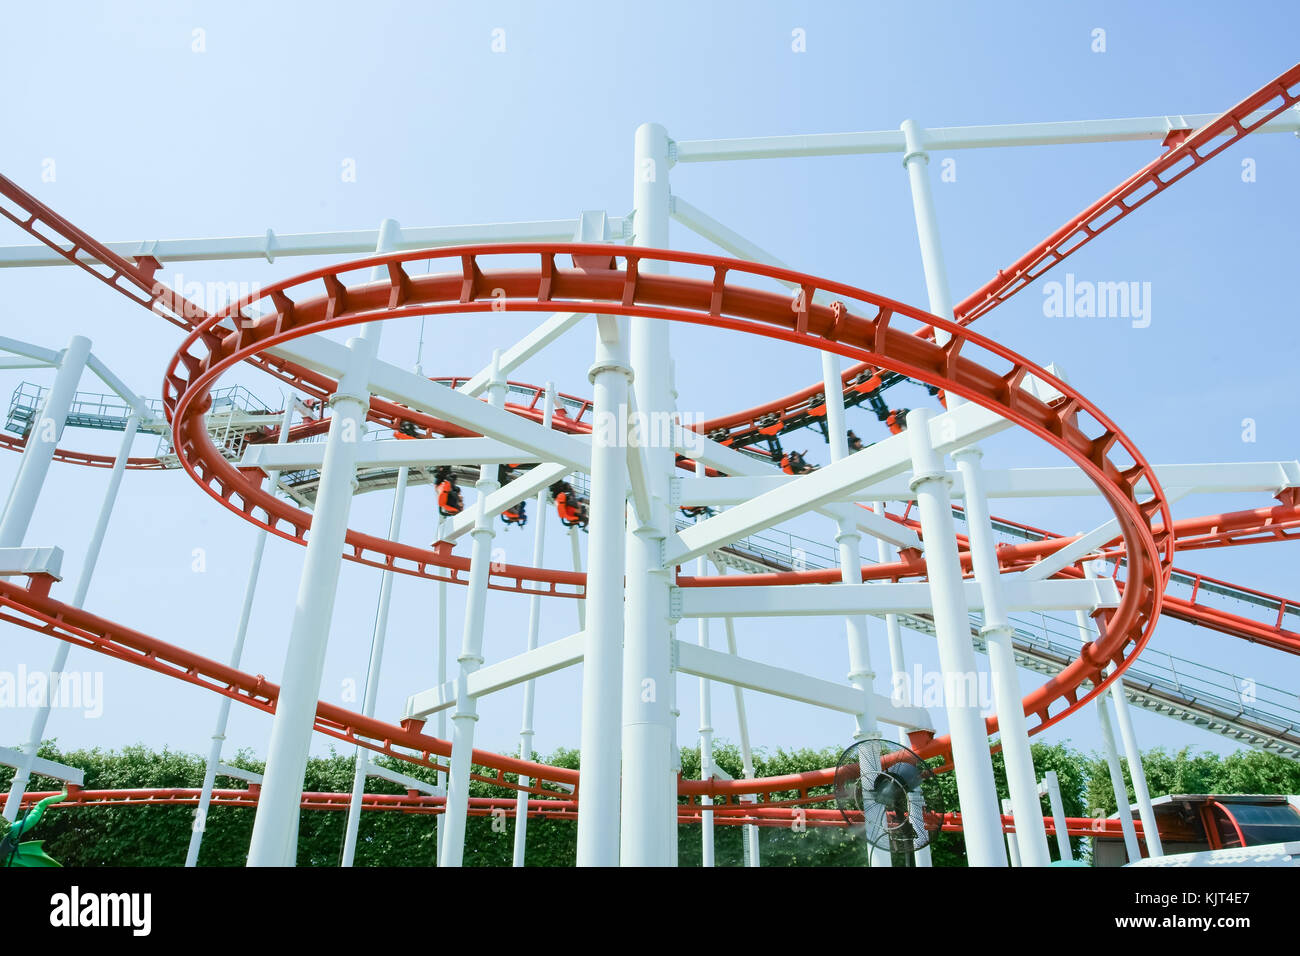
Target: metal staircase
<point x="235" y="413"/>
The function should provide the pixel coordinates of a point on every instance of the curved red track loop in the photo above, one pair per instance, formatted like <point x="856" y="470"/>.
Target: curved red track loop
<point x="305" y="382"/>
<point x="325" y="302"/>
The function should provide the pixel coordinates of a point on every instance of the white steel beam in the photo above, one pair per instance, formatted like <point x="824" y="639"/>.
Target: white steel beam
<point x="138" y="404"/>
<point x="1266" y="477"/>
<point x="1085" y="544"/>
<point x="10" y="757"/>
<point x="389" y="453"/>
<point x="726" y="490"/>
<point x="418" y="392"/>
<point x="32" y="561"/>
<point x="410" y="389"/>
<point x="545" y="659"/>
<point x="35" y="352"/>
<point x="961" y="426"/>
<point x="741" y="672"/>
<point x="427" y="702"/>
<point x="538" y="662"/>
<point x="270" y="246"/>
<point x="403" y="779"/>
<point x="908" y="597"/>
<point x="963" y="137"/>
<point x="237" y="773"/>
<point x="726" y="239"/>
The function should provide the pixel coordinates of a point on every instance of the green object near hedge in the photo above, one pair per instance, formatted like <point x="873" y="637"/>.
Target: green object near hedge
<point x="31" y="853"/>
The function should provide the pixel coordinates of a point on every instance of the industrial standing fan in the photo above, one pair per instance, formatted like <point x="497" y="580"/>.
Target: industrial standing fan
<point x="878" y="790"/>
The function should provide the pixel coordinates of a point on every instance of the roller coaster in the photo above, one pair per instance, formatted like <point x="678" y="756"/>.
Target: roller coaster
<point x="684" y="528"/>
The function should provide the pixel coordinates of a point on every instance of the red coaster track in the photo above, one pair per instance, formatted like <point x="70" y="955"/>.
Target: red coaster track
<point x="871" y="336"/>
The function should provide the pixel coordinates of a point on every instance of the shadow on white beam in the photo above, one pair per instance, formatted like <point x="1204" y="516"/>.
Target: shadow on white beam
<point x="884" y="598"/>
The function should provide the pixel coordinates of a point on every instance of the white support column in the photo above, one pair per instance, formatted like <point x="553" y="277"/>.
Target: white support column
<point x="674" y="765"/>
<point x="970" y="747"/>
<point x="849" y="541"/>
<point x="750" y="835"/>
<point x="1086" y="634"/>
<point x="885" y="553"/>
<point x="534" y="625"/>
<point x="390" y="234"/>
<point x="576" y="551"/>
<point x="1022" y="780"/>
<point x="602" y="667"/>
<point x="916" y="161"/>
<point x="1142" y="796"/>
<point x="236" y="654"/>
<point x="706" y="723"/>
<point x="1013" y="847"/>
<point x="441" y="650"/>
<point x="1147" y="813"/>
<point x="649" y="785"/>
<point x="471" y="653"/>
<point x="1122" y="805"/>
<point x="275" y="826"/>
<point x="377" y="639"/>
<point x="1053" y="787"/>
<point x="23" y="773"/>
<point x="275" y="829"/>
<point x="42" y="440"/>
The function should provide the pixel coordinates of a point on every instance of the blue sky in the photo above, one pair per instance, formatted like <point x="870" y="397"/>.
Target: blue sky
<point x="151" y="139"/>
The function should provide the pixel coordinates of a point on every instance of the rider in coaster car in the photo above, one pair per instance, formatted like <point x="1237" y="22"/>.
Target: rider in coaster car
<point x="855" y="443"/>
<point x="897" y="420"/>
<point x="515" y="515"/>
<point x="793" y="463"/>
<point x="571" y="508"/>
<point x="449" y="499"/>
<point x="406" y="430"/>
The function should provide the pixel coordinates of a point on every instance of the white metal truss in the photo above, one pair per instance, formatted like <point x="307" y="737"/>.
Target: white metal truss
<point x="755" y="498"/>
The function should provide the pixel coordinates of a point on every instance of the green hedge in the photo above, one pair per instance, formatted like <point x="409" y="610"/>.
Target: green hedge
<point x="159" y="836"/>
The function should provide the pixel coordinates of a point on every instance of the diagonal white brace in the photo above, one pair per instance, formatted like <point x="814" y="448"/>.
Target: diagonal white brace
<point x="964" y="425"/>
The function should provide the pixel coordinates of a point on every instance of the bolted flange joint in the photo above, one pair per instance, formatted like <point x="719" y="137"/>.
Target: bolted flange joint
<point x="609" y="367"/>
<point x="918" y="480"/>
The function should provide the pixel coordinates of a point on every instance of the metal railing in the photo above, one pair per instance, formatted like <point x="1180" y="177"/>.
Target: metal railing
<point x="1192" y="685"/>
<point x="108" y="410"/>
